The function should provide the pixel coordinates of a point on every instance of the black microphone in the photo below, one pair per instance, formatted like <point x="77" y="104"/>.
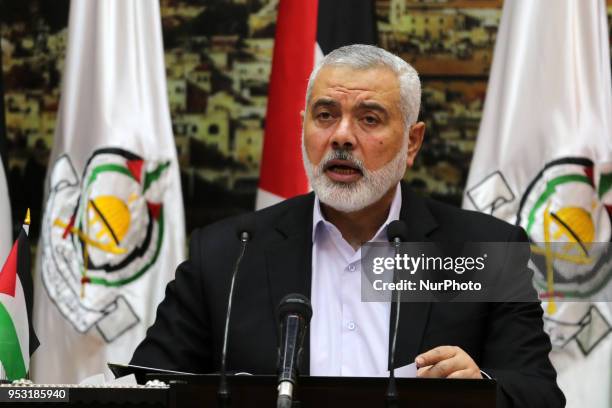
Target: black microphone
<point x="244" y="231"/>
<point x="294" y="313"/>
<point x="397" y="232"/>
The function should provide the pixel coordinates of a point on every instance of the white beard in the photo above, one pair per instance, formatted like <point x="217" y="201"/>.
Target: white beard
<point x="351" y="197"/>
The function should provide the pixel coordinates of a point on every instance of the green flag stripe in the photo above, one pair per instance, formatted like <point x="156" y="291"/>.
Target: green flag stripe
<point x="150" y="177"/>
<point x="108" y="167"/>
<point x="11" y="354"/>
<point x="549" y="190"/>
<point x="605" y="183"/>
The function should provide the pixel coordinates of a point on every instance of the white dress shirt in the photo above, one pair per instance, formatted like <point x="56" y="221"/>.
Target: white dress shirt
<point x="348" y="337"/>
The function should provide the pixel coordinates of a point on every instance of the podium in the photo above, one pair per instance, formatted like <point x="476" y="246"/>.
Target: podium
<point x="319" y="392"/>
<point x="260" y="391"/>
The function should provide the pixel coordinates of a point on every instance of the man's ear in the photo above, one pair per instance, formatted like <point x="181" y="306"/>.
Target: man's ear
<point x="302" y="116"/>
<point x="417" y="132"/>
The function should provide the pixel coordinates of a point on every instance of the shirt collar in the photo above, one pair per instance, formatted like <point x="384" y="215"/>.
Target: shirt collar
<point x="394" y="213"/>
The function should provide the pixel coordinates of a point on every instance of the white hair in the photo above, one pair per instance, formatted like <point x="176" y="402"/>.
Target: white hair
<point x="362" y="57"/>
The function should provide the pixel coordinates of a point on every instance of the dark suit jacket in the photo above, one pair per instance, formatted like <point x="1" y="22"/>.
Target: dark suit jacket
<point x="506" y="340"/>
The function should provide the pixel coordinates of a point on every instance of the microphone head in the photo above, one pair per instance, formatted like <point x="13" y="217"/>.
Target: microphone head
<point x="295" y="303"/>
<point x="245" y="227"/>
<point x="397" y="229"/>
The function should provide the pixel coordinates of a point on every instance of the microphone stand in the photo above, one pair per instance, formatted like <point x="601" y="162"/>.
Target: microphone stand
<point x="294" y="312"/>
<point x="223" y="394"/>
<point x="391" y="397"/>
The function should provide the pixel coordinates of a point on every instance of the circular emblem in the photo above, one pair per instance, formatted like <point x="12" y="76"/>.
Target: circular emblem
<point x="100" y="233"/>
<point x="564" y="214"/>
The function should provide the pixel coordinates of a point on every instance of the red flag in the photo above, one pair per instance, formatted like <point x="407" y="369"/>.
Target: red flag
<point x="8" y="274"/>
<point x="282" y="172"/>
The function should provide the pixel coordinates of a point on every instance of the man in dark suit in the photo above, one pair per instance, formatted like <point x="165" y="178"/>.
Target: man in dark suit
<point x="360" y="134"/>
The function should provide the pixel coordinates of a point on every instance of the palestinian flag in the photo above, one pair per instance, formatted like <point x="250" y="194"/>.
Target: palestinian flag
<point x="306" y="30"/>
<point x="17" y="338"/>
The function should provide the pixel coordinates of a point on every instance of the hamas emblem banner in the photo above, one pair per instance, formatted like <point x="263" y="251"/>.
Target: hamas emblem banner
<point x="102" y="231"/>
<point x="564" y="206"/>
<point x="566" y="211"/>
<point x="543" y="160"/>
<point x="113" y="229"/>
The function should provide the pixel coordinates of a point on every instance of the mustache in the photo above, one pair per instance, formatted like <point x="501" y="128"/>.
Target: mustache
<point x="341" y="154"/>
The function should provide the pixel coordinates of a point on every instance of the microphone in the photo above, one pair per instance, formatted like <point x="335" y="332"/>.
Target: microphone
<point x="244" y="232"/>
<point x="294" y="312"/>
<point x="397" y="232"/>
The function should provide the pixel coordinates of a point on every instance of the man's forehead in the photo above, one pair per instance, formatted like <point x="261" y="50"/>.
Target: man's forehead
<point x="340" y="78"/>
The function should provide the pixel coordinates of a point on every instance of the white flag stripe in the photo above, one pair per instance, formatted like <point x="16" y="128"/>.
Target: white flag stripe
<point x="6" y="233"/>
<point x="113" y="231"/>
<point x="266" y="199"/>
<point x="16" y="308"/>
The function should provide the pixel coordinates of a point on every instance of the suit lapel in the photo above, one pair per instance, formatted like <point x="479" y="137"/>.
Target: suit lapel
<point x="288" y="260"/>
<point x="413" y="316"/>
<point x="289" y="269"/>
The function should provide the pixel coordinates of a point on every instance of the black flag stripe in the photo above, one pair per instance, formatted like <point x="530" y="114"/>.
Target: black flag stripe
<point x="344" y="22"/>
<point x="25" y="277"/>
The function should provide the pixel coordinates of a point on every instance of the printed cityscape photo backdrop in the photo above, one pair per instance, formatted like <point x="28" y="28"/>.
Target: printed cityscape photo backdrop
<point x="218" y="57"/>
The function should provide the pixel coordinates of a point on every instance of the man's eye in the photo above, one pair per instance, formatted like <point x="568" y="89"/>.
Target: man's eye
<point x="370" y="120"/>
<point x="324" y="115"/>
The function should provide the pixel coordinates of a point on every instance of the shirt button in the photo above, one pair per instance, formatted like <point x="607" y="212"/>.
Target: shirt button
<point x="351" y="268"/>
<point x="351" y="325"/>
